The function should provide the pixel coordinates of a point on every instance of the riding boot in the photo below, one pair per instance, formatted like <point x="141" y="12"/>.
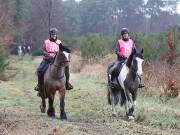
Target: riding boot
<point x="39" y="85"/>
<point x="68" y="85"/>
<point x="113" y="75"/>
<point x="141" y="85"/>
<point x="112" y="84"/>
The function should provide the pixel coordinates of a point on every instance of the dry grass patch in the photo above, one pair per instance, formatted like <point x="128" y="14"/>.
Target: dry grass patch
<point x="76" y="63"/>
<point x="162" y="80"/>
<point x="95" y="71"/>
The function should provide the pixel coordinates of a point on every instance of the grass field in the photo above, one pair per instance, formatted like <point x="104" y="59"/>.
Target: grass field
<point x="86" y="106"/>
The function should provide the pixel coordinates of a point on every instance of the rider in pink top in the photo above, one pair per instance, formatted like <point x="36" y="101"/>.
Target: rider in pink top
<point x="124" y="48"/>
<point x="51" y="47"/>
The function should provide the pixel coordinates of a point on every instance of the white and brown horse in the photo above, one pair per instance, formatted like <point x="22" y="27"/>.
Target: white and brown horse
<point x="127" y="84"/>
<point x="55" y="80"/>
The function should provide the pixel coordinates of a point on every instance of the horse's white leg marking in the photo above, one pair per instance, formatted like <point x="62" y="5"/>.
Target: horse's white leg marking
<point x="131" y="101"/>
<point x="127" y="110"/>
<point x="130" y="105"/>
<point x="122" y="76"/>
<point x="135" y="103"/>
<point x="130" y="117"/>
<point x="126" y="106"/>
<point x="113" y="106"/>
<point x="139" y="62"/>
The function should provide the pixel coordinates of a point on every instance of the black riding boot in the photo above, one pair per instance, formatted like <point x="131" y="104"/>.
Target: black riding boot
<point x="39" y="85"/>
<point x="68" y="85"/>
<point x="114" y="74"/>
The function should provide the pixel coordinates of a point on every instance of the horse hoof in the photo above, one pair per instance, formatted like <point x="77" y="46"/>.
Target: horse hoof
<point x="130" y="118"/>
<point x="43" y="110"/>
<point x="51" y="115"/>
<point x="63" y="117"/>
<point x="114" y="115"/>
<point x="51" y="112"/>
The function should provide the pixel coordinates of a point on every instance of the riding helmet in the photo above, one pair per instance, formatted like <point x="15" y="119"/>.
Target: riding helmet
<point x="124" y="30"/>
<point x="53" y="31"/>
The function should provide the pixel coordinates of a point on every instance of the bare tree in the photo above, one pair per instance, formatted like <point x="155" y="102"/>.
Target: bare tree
<point x="7" y="28"/>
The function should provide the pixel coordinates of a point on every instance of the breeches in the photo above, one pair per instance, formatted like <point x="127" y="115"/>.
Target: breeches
<point x="43" y="67"/>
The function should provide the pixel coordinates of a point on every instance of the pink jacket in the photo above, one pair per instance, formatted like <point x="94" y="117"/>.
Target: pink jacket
<point x="51" y="48"/>
<point x="125" y="47"/>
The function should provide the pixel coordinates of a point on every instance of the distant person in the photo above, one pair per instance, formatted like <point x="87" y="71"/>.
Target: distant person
<point x="19" y="50"/>
<point x="28" y="48"/>
<point x="51" y="47"/>
<point x="24" y="49"/>
<point x="123" y="50"/>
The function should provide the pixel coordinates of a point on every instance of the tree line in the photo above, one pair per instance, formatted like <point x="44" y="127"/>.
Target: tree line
<point x="29" y="20"/>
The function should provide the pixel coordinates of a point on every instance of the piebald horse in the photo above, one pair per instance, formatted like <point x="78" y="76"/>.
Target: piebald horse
<point x="127" y="84"/>
<point x="54" y="80"/>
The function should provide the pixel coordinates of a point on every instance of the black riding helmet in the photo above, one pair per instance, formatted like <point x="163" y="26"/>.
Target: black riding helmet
<point x="124" y="30"/>
<point x="53" y="31"/>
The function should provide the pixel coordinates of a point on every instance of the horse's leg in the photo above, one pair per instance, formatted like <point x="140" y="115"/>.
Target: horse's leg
<point x="113" y="105"/>
<point x="109" y="96"/>
<point x="43" y="105"/>
<point x="62" y="104"/>
<point x="51" y="110"/>
<point x="134" y="95"/>
<point x="131" y="104"/>
<point x="129" y="108"/>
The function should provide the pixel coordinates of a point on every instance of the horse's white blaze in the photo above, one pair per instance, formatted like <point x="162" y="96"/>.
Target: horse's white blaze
<point x="67" y="55"/>
<point x="139" y="64"/>
<point x="122" y="75"/>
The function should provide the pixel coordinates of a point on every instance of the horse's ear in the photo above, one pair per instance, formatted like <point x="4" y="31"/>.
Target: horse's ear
<point x="142" y="50"/>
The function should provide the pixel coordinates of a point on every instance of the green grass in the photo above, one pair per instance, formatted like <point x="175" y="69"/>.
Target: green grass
<point x="86" y="105"/>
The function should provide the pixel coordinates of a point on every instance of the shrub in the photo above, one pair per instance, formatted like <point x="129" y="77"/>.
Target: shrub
<point x="94" y="45"/>
<point x="38" y="52"/>
<point x="153" y="44"/>
<point x="2" y="58"/>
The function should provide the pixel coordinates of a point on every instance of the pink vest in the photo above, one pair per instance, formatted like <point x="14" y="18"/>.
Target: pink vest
<point x="125" y="47"/>
<point x="51" y="47"/>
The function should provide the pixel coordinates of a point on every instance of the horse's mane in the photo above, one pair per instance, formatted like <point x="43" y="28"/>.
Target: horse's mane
<point x="134" y="54"/>
<point x="130" y="58"/>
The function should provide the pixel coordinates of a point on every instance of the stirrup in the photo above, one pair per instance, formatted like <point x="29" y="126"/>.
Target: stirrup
<point x="141" y="85"/>
<point x="69" y="86"/>
<point x="36" y="88"/>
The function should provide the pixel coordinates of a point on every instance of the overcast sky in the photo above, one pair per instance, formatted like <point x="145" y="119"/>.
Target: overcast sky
<point x="178" y="8"/>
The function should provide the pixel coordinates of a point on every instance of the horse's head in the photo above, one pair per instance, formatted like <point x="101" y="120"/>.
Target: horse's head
<point x="61" y="59"/>
<point x="137" y="62"/>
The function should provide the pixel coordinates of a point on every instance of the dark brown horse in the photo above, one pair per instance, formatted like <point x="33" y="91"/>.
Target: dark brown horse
<point x="54" y="80"/>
